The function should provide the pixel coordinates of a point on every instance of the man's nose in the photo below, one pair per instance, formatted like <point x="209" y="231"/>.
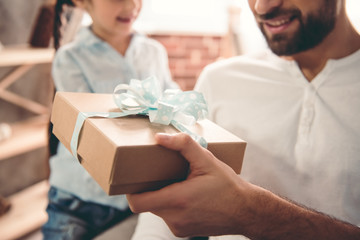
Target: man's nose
<point x="265" y="6"/>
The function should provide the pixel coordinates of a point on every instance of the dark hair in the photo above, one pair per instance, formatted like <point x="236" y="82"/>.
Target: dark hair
<point x="59" y="7"/>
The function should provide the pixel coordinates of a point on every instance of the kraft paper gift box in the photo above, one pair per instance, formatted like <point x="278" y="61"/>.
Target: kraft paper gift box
<point x="121" y="153"/>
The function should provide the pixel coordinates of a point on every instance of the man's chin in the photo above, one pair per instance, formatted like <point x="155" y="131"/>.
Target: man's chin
<point x="279" y="49"/>
<point x="282" y="45"/>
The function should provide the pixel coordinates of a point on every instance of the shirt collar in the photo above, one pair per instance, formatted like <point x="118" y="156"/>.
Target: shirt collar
<point x="87" y="37"/>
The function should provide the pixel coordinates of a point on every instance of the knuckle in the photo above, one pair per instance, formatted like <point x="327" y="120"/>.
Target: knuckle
<point x="185" y="138"/>
<point x="133" y="206"/>
<point x="134" y="209"/>
<point x="179" y="229"/>
<point x="208" y="153"/>
<point x="182" y="203"/>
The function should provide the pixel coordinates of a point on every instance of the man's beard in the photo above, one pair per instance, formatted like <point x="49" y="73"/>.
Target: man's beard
<point x="312" y="31"/>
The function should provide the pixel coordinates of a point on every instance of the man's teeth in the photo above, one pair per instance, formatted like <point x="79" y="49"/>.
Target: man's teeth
<point x="278" y="23"/>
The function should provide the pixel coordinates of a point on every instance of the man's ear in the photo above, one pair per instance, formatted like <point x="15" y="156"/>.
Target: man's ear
<point x="79" y="3"/>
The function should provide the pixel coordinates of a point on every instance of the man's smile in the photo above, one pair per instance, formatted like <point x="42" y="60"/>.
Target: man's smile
<point x="277" y="25"/>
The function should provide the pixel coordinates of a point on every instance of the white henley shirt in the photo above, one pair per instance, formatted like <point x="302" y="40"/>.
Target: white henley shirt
<point x="303" y="137"/>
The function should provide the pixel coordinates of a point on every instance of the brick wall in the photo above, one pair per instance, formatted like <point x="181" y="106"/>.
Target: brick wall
<point x="188" y="55"/>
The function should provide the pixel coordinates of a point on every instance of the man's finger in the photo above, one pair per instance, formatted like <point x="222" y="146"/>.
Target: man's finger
<point x="153" y="200"/>
<point x="191" y="150"/>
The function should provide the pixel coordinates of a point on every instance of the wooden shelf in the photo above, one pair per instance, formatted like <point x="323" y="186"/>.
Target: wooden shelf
<point x="23" y="54"/>
<point x="27" y="212"/>
<point x="26" y="136"/>
<point x="25" y="58"/>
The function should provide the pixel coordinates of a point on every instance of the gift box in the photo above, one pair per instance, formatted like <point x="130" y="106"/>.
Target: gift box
<point x="121" y="153"/>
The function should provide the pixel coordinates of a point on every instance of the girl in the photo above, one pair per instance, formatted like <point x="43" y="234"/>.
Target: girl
<point x="101" y="56"/>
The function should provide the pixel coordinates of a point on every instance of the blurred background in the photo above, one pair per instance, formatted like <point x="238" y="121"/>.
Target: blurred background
<point x="194" y="32"/>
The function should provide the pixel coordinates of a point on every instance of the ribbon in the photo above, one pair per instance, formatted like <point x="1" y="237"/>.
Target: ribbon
<point x="172" y="107"/>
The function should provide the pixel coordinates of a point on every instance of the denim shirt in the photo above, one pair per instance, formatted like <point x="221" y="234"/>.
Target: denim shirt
<point x="88" y="64"/>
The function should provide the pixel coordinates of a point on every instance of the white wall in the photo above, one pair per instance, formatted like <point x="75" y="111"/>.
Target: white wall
<point x="353" y="10"/>
<point x="183" y="17"/>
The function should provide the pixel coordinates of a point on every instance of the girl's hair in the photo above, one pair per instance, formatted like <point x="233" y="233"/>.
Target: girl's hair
<point x="59" y="6"/>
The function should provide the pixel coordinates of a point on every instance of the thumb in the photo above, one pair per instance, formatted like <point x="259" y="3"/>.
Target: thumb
<point x="198" y="157"/>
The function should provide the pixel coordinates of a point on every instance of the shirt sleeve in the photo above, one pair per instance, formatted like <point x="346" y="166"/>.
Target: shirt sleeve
<point x="152" y="227"/>
<point x="67" y="74"/>
<point x="203" y="85"/>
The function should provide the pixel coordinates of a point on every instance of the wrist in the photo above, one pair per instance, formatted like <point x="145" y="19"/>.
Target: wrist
<point x="251" y="202"/>
<point x="261" y="213"/>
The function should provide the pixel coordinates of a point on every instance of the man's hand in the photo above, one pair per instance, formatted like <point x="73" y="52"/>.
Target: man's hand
<point x="213" y="200"/>
<point x="200" y="205"/>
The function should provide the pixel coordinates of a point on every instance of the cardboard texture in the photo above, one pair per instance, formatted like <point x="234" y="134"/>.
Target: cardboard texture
<point x="121" y="154"/>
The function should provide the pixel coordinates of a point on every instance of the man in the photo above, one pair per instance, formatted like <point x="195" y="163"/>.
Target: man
<point x="298" y="109"/>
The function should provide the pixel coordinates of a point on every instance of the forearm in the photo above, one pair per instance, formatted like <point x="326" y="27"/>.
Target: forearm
<point x="276" y="218"/>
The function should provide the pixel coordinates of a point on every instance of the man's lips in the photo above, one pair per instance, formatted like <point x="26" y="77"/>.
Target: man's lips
<point x="277" y="25"/>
